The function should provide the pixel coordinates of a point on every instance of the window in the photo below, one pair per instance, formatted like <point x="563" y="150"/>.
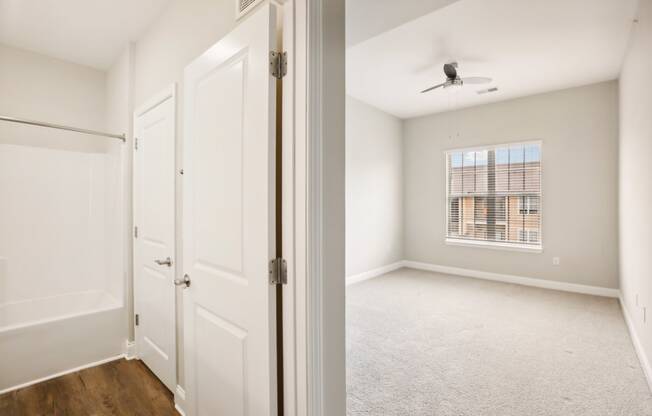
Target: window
<point x="528" y="236"/>
<point x="529" y="204"/>
<point x="494" y="195"/>
<point x="454" y="216"/>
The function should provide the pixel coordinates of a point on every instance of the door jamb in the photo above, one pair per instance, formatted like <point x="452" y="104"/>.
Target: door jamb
<point x="313" y="209"/>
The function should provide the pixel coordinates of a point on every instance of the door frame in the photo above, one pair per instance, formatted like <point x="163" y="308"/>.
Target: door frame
<point x="313" y="208"/>
<point x="312" y="29"/>
<point x="169" y="92"/>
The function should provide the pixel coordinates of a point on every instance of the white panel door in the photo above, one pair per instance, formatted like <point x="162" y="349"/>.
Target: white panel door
<point x="229" y="223"/>
<point x="154" y="199"/>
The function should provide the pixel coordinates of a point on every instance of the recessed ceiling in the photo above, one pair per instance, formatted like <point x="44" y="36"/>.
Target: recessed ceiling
<point x="527" y="47"/>
<point x="87" y="32"/>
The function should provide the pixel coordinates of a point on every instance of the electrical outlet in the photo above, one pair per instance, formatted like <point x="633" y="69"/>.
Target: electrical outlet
<point x="555" y="261"/>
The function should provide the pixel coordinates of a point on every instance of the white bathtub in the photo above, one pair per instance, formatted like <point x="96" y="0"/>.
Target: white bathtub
<point x="43" y="338"/>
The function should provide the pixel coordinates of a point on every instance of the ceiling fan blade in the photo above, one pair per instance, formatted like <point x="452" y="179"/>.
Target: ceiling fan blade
<point x="432" y="88"/>
<point x="476" y="80"/>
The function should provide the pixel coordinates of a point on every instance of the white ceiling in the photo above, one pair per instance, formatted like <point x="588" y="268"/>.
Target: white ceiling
<point x="367" y="18"/>
<point x="527" y="47"/>
<point x="87" y="32"/>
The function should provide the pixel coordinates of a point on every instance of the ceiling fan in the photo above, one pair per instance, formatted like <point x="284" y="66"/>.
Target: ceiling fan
<point x="452" y="78"/>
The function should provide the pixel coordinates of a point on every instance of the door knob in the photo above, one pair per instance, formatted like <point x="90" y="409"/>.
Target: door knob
<point x="167" y="262"/>
<point x="184" y="281"/>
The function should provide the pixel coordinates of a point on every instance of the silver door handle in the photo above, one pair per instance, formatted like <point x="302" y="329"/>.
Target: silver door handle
<point x="167" y="261"/>
<point x="184" y="281"/>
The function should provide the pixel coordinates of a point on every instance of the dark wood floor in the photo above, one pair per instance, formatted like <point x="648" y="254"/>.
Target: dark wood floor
<point x="118" y="388"/>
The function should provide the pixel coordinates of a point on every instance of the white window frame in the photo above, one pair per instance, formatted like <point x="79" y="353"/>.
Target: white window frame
<point x="527" y="248"/>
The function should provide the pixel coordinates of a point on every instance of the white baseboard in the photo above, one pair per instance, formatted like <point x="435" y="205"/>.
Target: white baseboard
<point x="130" y="350"/>
<point x="180" y="400"/>
<point x="357" y="278"/>
<point x="638" y="346"/>
<point x="519" y="280"/>
<point x="62" y="373"/>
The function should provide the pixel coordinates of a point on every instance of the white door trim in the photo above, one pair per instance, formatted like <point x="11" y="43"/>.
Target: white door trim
<point x="313" y="300"/>
<point x="326" y="209"/>
<point x="291" y="352"/>
<point x="169" y="92"/>
<point x="315" y="210"/>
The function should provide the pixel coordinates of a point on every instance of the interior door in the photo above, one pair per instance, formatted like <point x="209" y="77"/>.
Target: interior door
<point x="229" y="223"/>
<point x="154" y="245"/>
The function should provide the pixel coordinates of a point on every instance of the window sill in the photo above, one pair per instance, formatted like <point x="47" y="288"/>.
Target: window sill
<point x="494" y="246"/>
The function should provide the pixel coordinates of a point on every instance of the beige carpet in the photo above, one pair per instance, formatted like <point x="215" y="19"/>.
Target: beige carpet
<point x="421" y="343"/>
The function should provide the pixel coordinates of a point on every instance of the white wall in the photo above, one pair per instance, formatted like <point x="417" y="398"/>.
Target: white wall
<point x="41" y="88"/>
<point x="183" y="31"/>
<point x="636" y="177"/>
<point x="374" y="188"/>
<point x="579" y="131"/>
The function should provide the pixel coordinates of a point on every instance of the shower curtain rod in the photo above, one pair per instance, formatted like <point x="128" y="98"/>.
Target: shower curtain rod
<point x="61" y="127"/>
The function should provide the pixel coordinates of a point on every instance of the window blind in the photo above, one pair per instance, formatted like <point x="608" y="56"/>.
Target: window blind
<point x="494" y="194"/>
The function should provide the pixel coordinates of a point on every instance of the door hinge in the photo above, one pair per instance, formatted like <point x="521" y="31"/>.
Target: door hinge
<point x="278" y="64"/>
<point x="278" y="271"/>
<point x="137" y="319"/>
<point x="136" y="143"/>
<point x="136" y="232"/>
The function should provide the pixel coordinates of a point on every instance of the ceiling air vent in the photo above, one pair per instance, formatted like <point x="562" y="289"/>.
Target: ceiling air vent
<point x="243" y="7"/>
<point x="488" y="90"/>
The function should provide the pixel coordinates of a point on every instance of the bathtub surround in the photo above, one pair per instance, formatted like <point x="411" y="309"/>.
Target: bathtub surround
<point x="52" y="220"/>
<point x="3" y="280"/>
<point x="89" y="331"/>
<point x="61" y="261"/>
<point x="119" y="113"/>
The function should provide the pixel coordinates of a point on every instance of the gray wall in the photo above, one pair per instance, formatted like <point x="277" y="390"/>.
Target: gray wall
<point x="374" y="188"/>
<point x="579" y="131"/>
<point x="636" y="176"/>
